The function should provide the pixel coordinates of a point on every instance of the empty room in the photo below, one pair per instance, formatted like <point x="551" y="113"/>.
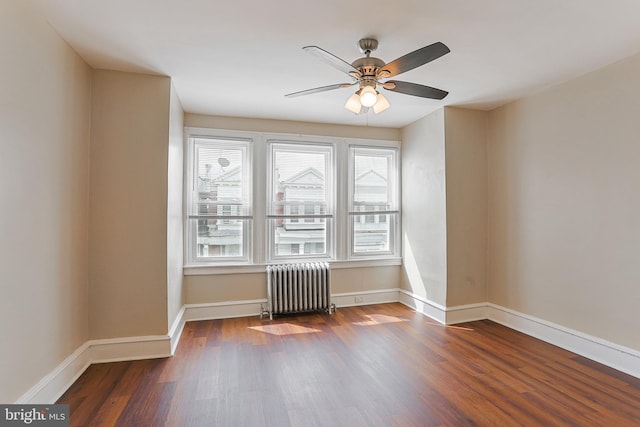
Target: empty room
<point x="332" y="213"/>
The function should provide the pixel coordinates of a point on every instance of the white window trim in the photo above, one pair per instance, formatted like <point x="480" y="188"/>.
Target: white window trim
<point x="190" y="253"/>
<point x="258" y="256"/>
<point x="394" y="221"/>
<point x="330" y="216"/>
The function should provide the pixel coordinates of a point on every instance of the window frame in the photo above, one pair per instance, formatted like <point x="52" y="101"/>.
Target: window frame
<point x="392" y="214"/>
<point x="302" y="217"/>
<point x="193" y="141"/>
<point x="257" y="255"/>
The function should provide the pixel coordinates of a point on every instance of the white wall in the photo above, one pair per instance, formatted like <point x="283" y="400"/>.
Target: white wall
<point x="128" y="204"/>
<point x="45" y="106"/>
<point x="444" y="208"/>
<point x="221" y="288"/>
<point x="283" y="126"/>
<point x="424" y="214"/>
<point x="175" y="297"/>
<point x="466" y="178"/>
<point x="564" y="204"/>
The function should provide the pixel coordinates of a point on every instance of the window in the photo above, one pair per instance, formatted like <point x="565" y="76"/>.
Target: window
<point x="373" y="201"/>
<point x="256" y="198"/>
<point x="219" y="221"/>
<point x="309" y="211"/>
<point x="293" y="211"/>
<point x="300" y="212"/>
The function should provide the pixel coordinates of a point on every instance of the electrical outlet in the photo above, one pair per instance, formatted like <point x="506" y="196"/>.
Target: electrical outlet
<point x="358" y="299"/>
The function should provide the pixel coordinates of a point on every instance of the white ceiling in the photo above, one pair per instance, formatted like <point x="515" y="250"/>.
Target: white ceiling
<point x="239" y="57"/>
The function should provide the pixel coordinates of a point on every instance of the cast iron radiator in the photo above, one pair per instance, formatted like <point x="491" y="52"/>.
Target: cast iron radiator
<point x="296" y="288"/>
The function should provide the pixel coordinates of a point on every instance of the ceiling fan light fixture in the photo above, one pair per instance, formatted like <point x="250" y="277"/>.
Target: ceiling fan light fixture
<point x="353" y="103"/>
<point x="368" y="96"/>
<point x="381" y="105"/>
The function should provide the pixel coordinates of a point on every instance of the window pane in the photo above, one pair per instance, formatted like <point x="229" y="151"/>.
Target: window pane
<point x="220" y="238"/>
<point x="371" y="236"/>
<point x="301" y="191"/>
<point x="371" y="185"/>
<point x="299" y="177"/>
<point x="310" y="209"/>
<point x="293" y="238"/>
<point x="220" y="200"/>
<point x="221" y="179"/>
<point x="373" y="192"/>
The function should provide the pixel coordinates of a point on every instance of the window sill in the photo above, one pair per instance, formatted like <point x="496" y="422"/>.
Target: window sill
<point x="204" y="270"/>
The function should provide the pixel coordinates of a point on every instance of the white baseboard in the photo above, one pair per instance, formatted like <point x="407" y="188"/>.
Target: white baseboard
<point x="350" y="299"/>
<point x="223" y="310"/>
<point x="130" y="348"/>
<point x="444" y="315"/>
<point x="175" y="332"/>
<point x="422" y="305"/>
<point x="465" y="313"/>
<point x="52" y="385"/>
<point x="613" y="355"/>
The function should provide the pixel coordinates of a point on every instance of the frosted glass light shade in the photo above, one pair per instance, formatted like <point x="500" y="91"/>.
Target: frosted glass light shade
<point x="353" y="104"/>
<point x="368" y="96"/>
<point x="381" y="105"/>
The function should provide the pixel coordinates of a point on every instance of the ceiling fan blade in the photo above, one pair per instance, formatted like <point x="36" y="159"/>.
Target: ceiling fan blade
<point x="413" y="60"/>
<point x="331" y="59"/>
<point x="320" y="89"/>
<point x="415" y="89"/>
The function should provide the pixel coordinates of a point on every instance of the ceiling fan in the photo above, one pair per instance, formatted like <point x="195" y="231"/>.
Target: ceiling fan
<point x="369" y="72"/>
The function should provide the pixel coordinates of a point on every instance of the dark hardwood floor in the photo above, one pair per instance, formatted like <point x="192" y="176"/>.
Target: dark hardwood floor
<point x="377" y="365"/>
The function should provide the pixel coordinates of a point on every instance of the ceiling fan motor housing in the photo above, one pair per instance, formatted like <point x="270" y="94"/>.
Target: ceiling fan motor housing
<point x="368" y="66"/>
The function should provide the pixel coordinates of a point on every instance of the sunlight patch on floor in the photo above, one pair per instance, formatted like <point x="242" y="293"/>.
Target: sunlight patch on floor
<point x="379" y="319"/>
<point x="284" y="329"/>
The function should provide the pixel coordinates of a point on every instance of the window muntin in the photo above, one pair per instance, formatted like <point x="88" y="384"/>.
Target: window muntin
<point x="300" y="211"/>
<point x="220" y="219"/>
<point x="373" y="201"/>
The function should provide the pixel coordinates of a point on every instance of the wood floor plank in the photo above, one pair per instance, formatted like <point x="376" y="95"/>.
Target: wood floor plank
<point x="378" y="365"/>
<point x="110" y="411"/>
<point x="95" y="385"/>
